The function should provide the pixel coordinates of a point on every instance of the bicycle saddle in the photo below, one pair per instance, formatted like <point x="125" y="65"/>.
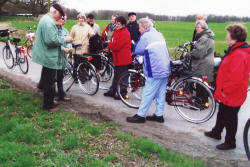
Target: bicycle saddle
<point x="76" y="45"/>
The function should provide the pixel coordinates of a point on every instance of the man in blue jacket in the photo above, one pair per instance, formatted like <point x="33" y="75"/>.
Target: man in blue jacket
<point x="156" y="69"/>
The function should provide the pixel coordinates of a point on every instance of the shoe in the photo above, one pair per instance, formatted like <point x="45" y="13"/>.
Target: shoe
<point x="109" y="94"/>
<point x="155" y="118"/>
<point x="226" y="146"/>
<point x="53" y="109"/>
<point x="212" y="135"/>
<point x="55" y="103"/>
<point x="64" y="99"/>
<point x="136" y="119"/>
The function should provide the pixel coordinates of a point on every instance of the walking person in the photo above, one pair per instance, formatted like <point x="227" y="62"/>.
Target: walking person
<point x="121" y="53"/>
<point x="156" y="69"/>
<point x="63" y="60"/>
<point x="133" y="29"/>
<point x="231" y="86"/>
<point x="46" y="53"/>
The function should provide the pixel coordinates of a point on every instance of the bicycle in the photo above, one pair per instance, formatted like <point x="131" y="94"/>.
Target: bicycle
<point x="30" y="37"/>
<point x="183" y="91"/>
<point x="82" y="72"/>
<point x="20" y="53"/>
<point x="246" y="138"/>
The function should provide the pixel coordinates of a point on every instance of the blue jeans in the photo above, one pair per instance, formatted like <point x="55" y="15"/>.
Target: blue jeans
<point x="154" y="89"/>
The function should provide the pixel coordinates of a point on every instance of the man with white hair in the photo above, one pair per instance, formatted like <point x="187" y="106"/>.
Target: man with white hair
<point x="46" y="50"/>
<point x="156" y="69"/>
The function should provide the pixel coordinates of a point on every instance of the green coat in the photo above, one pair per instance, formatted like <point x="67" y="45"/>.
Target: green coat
<point x="202" y="56"/>
<point x="47" y="45"/>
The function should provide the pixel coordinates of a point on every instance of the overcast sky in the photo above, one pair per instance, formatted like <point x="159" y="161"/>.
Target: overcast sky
<point x="168" y="7"/>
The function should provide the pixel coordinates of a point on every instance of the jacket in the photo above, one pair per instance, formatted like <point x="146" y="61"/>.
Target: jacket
<point x="133" y="29"/>
<point x="121" y="47"/>
<point x="81" y="35"/>
<point x="47" y="43"/>
<point x="156" y="59"/>
<point x="63" y="56"/>
<point x="109" y="29"/>
<point x="202" y="56"/>
<point x="233" y="76"/>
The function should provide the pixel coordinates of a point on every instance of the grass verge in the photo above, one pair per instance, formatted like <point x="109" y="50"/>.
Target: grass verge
<point x="31" y="137"/>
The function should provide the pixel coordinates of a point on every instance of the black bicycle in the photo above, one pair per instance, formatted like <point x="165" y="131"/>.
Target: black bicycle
<point x="246" y="138"/>
<point x="20" y="53"/>
<point x="82" y="72"/>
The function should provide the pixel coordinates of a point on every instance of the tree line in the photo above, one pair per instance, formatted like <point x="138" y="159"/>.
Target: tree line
<point x="38" y="7"/>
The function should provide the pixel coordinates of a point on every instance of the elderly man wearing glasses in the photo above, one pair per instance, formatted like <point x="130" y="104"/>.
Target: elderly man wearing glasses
<point x="46" y="53"/>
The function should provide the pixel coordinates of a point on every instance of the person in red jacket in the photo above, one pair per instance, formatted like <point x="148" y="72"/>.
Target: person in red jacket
<point x="231" y="86"/>
<point x="121" y="53"/>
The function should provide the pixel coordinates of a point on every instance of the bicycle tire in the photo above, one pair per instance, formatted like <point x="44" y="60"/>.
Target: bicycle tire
<point x="189" y="105"/>
<point x="246" y="138"/>
<point x="29" y="51"/>
<point x="129" y="88"/>
<point x="106" y="74"/>
<point x="87" y="78"/>
<point x="67" y="73"/>
<point x="23" y="62"/>
<point x="8" y="57"/>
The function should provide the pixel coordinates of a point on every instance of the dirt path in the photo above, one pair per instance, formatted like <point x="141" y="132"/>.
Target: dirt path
<point x="176" y="141"/>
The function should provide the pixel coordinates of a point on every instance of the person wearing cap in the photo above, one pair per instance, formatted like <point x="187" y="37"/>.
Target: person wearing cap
<point x="133" y="28"/>
<point x="81" y="32"/>
<point x="93" y="25"/>
<point x="108" y="31"/>
<point x="46" y="50"/>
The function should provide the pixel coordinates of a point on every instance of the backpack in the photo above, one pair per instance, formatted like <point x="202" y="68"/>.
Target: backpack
<point x="95" y="44"/>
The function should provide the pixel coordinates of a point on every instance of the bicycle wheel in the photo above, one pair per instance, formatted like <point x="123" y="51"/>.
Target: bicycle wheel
<point x="106" y="74"/>
<point x="29" y="51"/>
<point x="246" y="138"/>
<point x="129" y="88"/>
<point x="67" y="73"/>
<point x="8" y="57"/>
<point x="23" y="62"/>
<point x="193" y="100"/>
<point x="87" y="78"/>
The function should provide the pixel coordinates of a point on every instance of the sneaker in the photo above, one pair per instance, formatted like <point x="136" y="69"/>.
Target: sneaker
<point x="136" y="119"/>
<point x="155" y="118"/>
<point x="53" y="109"/>
<point x="226" y="146"/>
<point x="117" y="97"/>
<point x="212" y="135"/>
<point x="109" y="94"/>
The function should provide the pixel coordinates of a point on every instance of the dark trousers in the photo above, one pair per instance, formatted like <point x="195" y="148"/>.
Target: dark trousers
<point x="48" y="84"/>
<point x="227" y="117"/>
<point x="59" y="79"/>
<point x="118" y="70"/>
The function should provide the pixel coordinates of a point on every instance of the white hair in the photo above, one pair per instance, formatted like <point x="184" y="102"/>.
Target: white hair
<point x="203" y="24"/>
<point x="146" y="22"/>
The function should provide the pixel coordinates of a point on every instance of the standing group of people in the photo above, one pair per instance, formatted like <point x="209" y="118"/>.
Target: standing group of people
<point x="53" y="42"/>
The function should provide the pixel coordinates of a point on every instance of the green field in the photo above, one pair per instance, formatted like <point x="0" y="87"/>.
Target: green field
<point x="175" y="33"/>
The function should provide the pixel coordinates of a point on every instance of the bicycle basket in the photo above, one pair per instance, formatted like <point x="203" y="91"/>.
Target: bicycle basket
<point x="4" y="33"/>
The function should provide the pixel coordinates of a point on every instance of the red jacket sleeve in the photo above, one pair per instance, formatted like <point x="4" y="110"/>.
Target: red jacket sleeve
<point x="103" y="32"/>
